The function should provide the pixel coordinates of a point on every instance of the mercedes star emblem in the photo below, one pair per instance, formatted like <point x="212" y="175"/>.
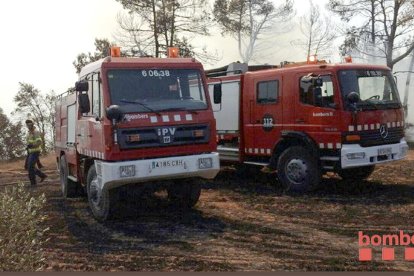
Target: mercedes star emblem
<point x="384" y="131"/>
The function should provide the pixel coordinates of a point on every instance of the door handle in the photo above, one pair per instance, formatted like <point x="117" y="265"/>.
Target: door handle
<point x="300" y="121"/>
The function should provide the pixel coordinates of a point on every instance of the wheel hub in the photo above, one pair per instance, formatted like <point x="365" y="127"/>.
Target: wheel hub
<point x="297" y="171"/>
<point x="95" y="193"/>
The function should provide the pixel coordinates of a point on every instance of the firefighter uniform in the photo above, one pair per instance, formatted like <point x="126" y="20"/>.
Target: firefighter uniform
<point x="34" y="147"/>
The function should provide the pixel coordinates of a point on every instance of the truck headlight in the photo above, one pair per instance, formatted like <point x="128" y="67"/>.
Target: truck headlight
<point x="205" y="163"/>
<point x="127" y="171"/>
<point x="356" y="155"/>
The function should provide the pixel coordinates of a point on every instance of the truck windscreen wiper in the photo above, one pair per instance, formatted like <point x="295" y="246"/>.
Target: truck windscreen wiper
<point x="393" y="105"/>
<point x="141" y="104"/>
<point x="369" y="102"/>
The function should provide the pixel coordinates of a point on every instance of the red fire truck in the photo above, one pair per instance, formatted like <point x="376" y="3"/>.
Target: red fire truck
<point x="305" y="119"/>
<point x="136" y="121"/>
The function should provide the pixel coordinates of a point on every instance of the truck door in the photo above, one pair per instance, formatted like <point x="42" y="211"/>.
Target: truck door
<point x="265" y="117"/>
<point x="316" y="114"/>
<point x="90" y="135"/>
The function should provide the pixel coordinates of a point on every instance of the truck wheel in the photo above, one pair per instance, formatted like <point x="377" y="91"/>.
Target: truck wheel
<point x="184" y="194"/>
<point x="359" y="173"/>
<point x="69" y="188"/>
<point x="298" y="171"/>
<point x="101" y="203"/>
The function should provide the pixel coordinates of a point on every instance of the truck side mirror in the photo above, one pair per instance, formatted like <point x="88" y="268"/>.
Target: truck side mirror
<point x="84" y="103"/>
<point x="217" y="93"/>
<point x="114" y="113"/>
<point x="81" y="86"/>
<point x="353" y="97"/>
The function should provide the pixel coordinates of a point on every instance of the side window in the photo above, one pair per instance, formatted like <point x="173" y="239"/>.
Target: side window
<point x="196" y="87"/>
<point x="267" y="92"/>
<point x="322" y="96"/>
<point x="71" y="123"/>
<point x="90" y="94"/>
<point x="96" y="96"/>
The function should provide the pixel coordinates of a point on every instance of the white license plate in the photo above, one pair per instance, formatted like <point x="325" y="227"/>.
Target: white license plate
<point x="167" y="164"/>
<point x="127" y="171"/>
<point x="205" y="163"/>
<point x="385" y="151"/>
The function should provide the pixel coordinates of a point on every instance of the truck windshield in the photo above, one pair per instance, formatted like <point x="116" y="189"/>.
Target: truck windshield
<point x="376" y="88"/>
<point x="155" y="90"/>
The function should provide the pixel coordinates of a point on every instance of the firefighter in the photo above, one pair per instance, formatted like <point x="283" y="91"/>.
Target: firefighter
<point x="34" y="147"/>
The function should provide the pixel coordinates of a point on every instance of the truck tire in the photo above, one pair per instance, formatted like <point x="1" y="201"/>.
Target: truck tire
<point x="184" y="194"/>
<point x="69" y="188"/>
<point x="360" y="173"/>
<point x="102" y="205"/>
<point x="298" y="171"/>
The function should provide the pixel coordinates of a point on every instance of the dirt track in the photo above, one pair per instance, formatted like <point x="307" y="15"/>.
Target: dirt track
<point x="242" y="223"/>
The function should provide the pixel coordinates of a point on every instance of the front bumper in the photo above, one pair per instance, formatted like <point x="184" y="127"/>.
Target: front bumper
<point x="357" y="156"/>
<point x="178" y="167"/>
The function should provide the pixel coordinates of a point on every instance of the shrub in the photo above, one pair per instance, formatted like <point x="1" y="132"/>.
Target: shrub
<point x="21" y="231"/>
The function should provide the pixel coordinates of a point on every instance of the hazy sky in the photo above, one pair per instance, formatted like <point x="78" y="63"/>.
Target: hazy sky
<point x="41" y="38"/>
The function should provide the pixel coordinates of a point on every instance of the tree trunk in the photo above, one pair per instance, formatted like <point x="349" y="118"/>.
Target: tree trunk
<point x="373" y="20"/>
<point x="407" y="86"/>
<point x="157" y="44"/>
<point x="173" y="25"/>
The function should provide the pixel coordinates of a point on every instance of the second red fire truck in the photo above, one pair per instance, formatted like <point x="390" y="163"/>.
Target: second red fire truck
<point x="305" y="119"/>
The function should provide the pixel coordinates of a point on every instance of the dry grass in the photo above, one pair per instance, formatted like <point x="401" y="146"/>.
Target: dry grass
<point x="242" y="223"/>
<point x="48" y="161"/>
<point x="22" y="233"/>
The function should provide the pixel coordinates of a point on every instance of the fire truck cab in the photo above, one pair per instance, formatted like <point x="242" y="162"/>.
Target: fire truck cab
<point x="136" y="121"/>
<point x="303" y="120"/>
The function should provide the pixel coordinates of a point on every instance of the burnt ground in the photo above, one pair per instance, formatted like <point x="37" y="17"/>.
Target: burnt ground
<point x="243" y="222"/>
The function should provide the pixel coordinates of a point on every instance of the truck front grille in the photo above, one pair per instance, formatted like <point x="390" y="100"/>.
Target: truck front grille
<point x="373" y="137"/>
<point x="163" y="136"/>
